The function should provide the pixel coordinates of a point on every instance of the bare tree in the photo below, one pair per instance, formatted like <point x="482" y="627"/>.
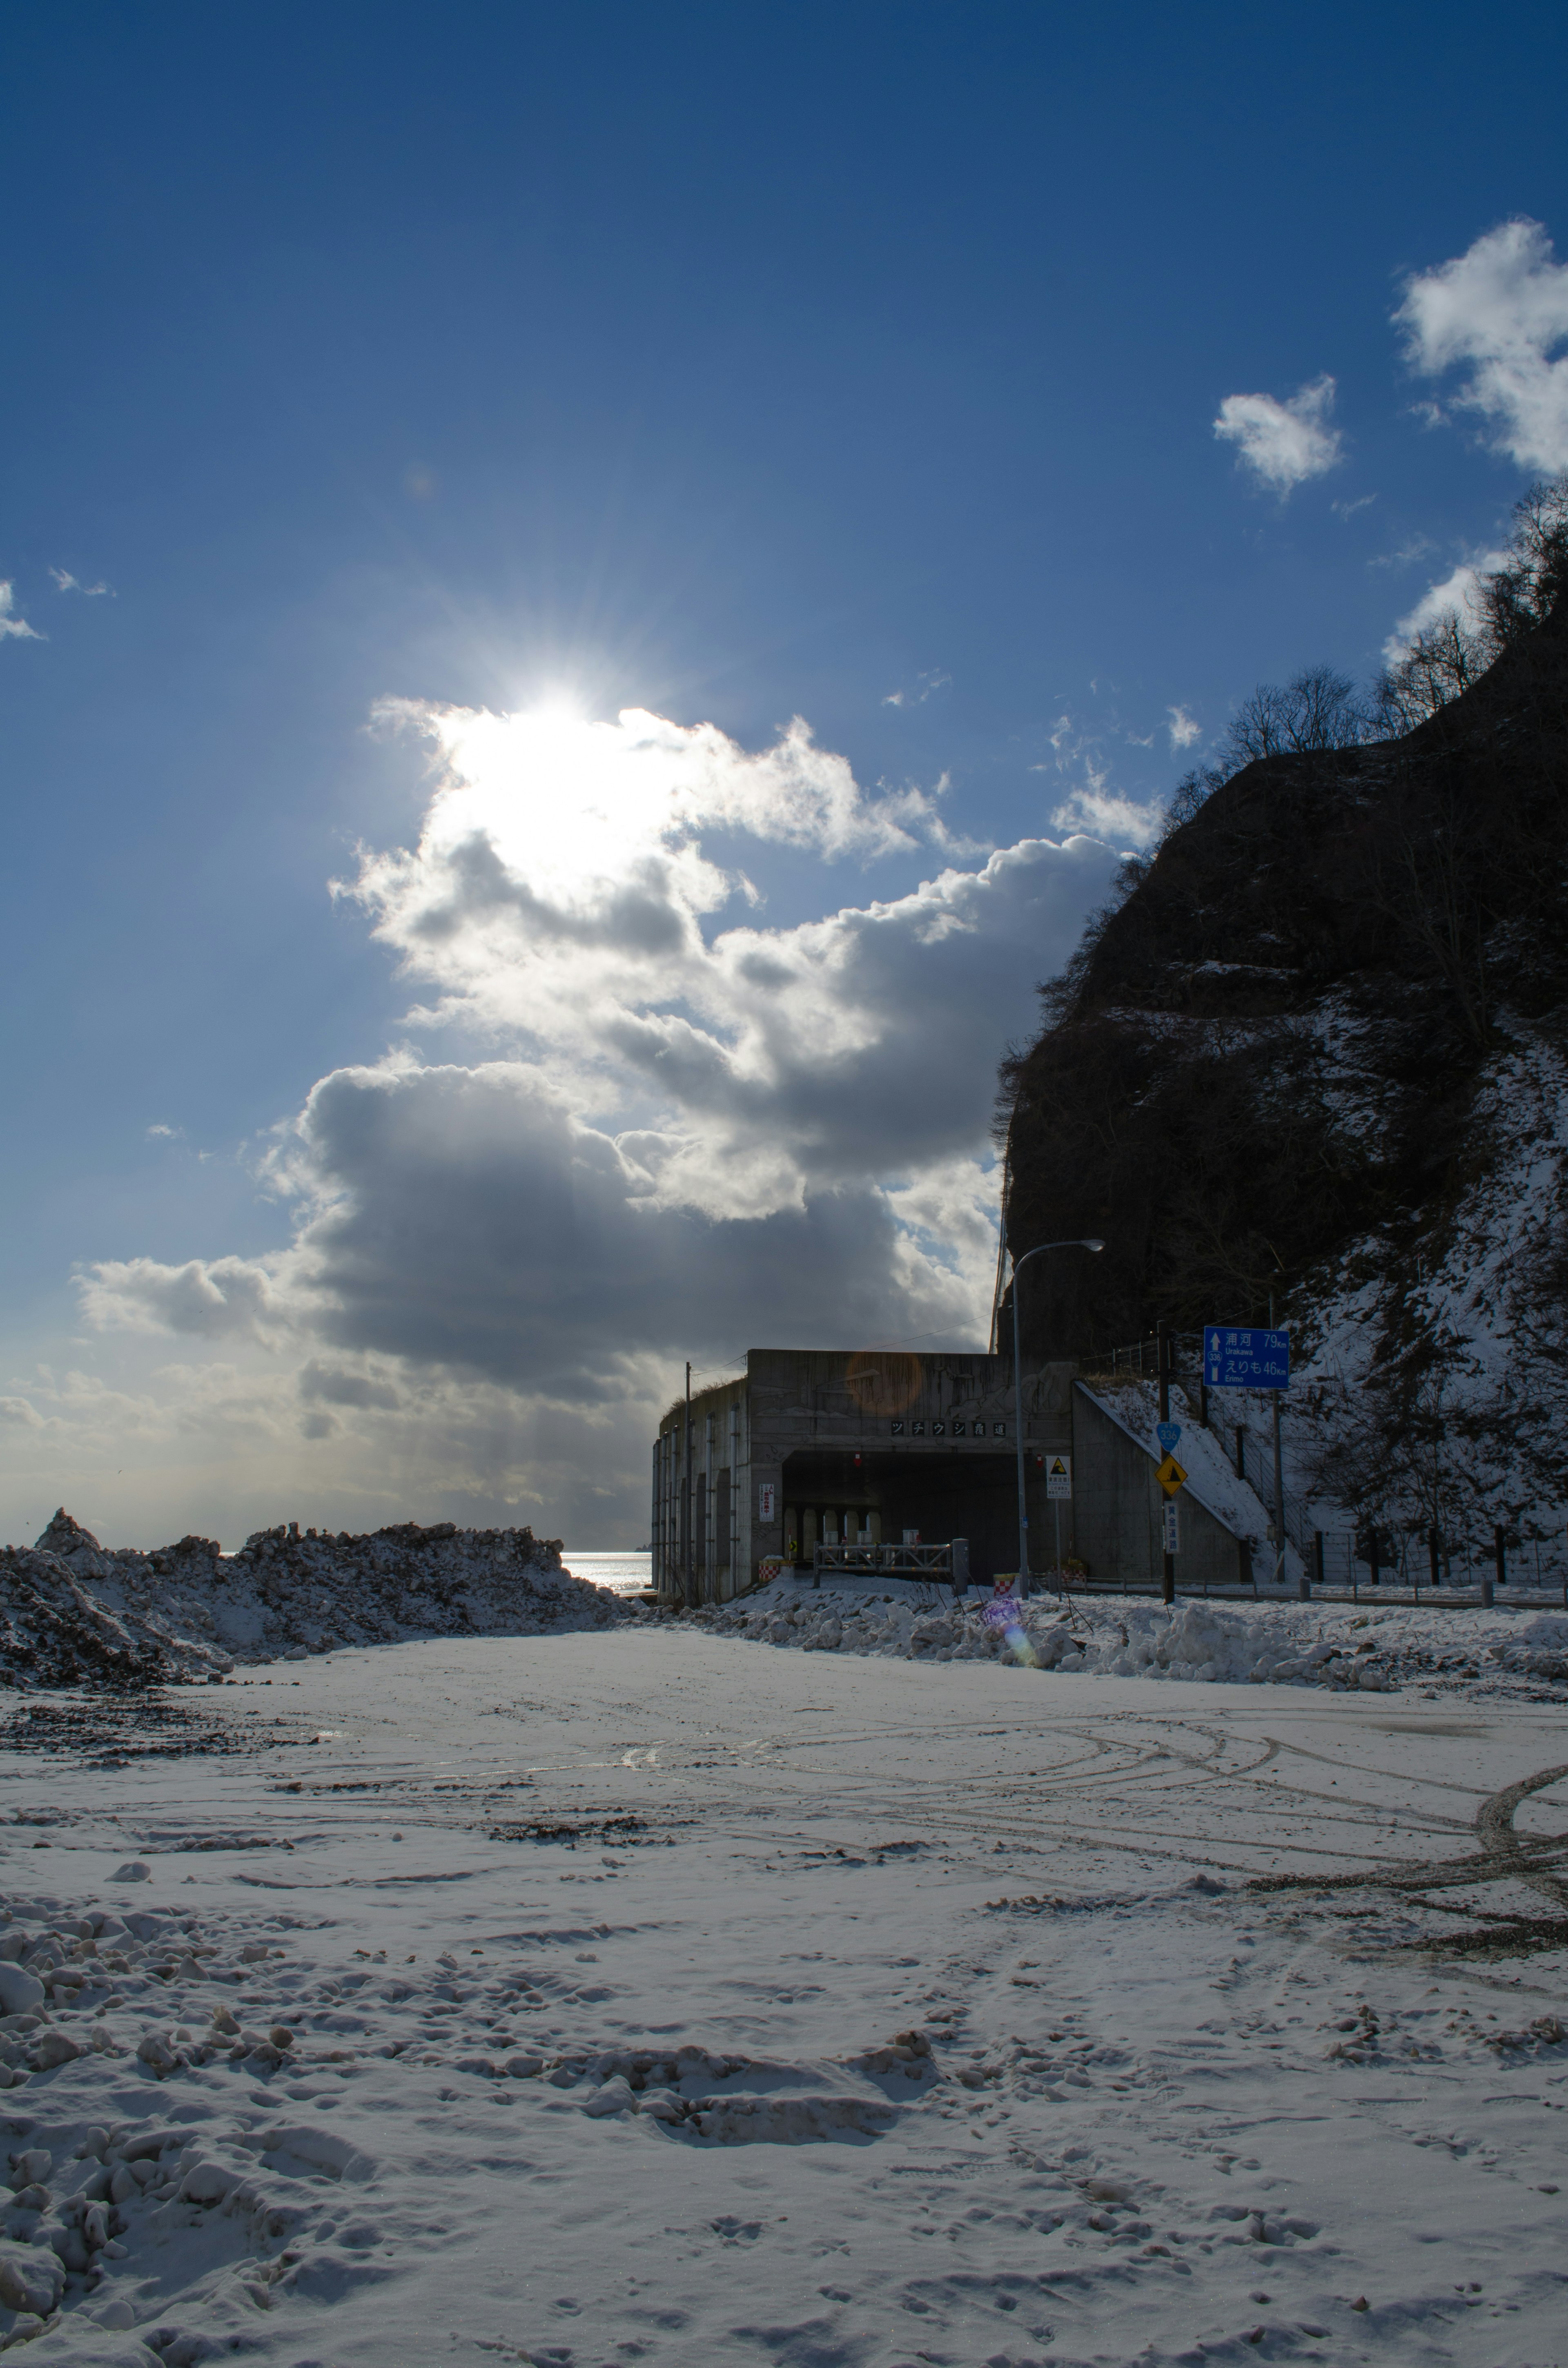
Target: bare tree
<point x="1316" y="710"/>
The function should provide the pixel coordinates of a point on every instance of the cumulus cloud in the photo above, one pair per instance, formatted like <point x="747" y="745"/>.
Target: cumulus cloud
<point x="20" y="1414"/>
<point x="1456" y="595"/>
<point x="694" y="1130"/>
<point x="1497" y="313"/>
<point x="1182" y="727"/>
<point x="14" y="628"/>
<point x="561" y="898"/>
<point x="468" y="1219"/>
<point x="209" y="1299"/>
<point x="1283" y="443"/>
<point x="65" y="582"/>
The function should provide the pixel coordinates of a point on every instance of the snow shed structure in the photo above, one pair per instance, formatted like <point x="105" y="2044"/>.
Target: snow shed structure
<point x="835" y="1446"/>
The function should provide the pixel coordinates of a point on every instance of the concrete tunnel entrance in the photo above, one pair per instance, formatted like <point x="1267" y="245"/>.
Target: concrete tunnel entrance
<point x="838" y="1499"/>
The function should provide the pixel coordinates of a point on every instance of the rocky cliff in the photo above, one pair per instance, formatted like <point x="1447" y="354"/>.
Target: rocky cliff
<point x="1321" y="1049"/>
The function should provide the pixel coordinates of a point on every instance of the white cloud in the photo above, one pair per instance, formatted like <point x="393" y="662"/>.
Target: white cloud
<point x="1496" y="313"/>
<point x="19" y="1414"/>
<point x="1095" y="805"/>
<point x="1347" y="510"/>
<point x="924" y="685"/>
<point x="1283" y="443"/>
<point x="209" y="1299"/>
<point x="697" y="1130"/>
<point x="1125" y="821"/>
<point x="1413" y="547"/>
<point x="1455" y="596"/>
<point x="12" y="627"/>
<point x="1183" y="729"/>
<point x="66" y="582"/>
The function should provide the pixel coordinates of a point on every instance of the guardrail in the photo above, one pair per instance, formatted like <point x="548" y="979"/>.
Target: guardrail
<point x="894" y="1562"/>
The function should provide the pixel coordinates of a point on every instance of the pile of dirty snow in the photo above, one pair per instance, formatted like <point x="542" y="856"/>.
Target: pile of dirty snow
<point x="1497" y="1651"/>
<point x="73" y="1613"/>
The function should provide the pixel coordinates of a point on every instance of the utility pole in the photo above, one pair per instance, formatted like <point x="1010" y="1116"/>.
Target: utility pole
<point x="1163" y="1337"/>
<point x="691" y="1509"/>
<point x="1022" y="1581"/>
<point x="1280" y="1484"/>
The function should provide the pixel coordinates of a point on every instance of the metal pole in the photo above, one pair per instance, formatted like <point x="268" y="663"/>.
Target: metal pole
<point x="690" y="1507"/>
<point x="1279" y="1482"/>
<point x="1023" y="1577"/>
<point x="1167" y="1580"/>
<point x="1018" y="1265"/>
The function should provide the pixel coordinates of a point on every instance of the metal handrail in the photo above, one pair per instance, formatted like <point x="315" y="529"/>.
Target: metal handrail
<point x="922" y="1561"/>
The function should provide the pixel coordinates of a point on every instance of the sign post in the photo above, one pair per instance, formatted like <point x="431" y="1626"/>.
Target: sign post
<point x="1168" y="1569"/>
<point x="1246" y="1357"/>
<point x="1058" y="1489"/>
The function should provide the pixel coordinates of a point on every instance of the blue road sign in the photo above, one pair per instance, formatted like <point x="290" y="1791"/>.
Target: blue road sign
<point x="1237" y="1357"/>
<point x="1167" y="1433"/>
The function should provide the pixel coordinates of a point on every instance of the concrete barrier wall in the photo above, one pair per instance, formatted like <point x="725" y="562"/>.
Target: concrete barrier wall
<point x="1117" y="1503"/>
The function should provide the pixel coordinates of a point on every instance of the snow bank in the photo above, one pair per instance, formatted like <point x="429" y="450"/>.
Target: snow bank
<point x="1301" y="1643"/>
<point x="73" y="1613"/>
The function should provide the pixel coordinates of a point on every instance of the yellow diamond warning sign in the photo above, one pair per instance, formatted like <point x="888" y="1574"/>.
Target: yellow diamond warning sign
<point x="1170" y="1475"/>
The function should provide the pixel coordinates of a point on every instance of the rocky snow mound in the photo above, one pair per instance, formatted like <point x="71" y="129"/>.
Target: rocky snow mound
<point x="73" y="1613"/>
<point x="1492" y="1651"/>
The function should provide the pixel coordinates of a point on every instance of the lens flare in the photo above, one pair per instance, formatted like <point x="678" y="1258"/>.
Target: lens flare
<point x="1004" y="1613"/>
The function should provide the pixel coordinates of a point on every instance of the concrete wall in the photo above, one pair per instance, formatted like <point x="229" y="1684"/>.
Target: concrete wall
<point x="1118" y="1503"/>
<point x="711" y="1519"/>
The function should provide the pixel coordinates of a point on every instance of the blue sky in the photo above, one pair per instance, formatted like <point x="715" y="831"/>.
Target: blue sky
<point x="857" y="364"/>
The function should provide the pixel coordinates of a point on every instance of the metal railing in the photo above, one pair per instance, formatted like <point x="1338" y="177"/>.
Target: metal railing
<point x="886" y="1561"/>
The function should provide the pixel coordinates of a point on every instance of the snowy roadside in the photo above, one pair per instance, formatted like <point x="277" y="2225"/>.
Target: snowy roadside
<point x="1484" y="1653"/>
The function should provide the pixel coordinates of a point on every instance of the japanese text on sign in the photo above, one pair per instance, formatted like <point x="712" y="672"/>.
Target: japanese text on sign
<point x="1238" y="1357"/>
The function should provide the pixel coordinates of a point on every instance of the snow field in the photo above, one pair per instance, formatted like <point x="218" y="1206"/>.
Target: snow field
<point x="611" y="1997"/>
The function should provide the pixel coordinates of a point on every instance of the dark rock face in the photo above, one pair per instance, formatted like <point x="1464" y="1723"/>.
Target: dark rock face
<point x="1320" y="1049"/>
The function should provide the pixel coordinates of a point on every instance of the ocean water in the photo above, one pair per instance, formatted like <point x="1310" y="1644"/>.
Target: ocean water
<point x="628" y="1574"/>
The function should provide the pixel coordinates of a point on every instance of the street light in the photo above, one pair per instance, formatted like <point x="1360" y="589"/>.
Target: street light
<point x="1018" y="1265"/>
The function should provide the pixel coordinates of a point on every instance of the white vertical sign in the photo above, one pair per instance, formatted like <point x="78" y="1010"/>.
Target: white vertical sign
<point x="1173" y="1530"/>
<point x="764" y="1501"/>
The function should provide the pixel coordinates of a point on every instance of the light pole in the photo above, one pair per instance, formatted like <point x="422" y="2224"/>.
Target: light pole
<point x="1018" y="1265"/>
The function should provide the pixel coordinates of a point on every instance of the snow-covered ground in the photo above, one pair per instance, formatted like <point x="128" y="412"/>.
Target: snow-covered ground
<point x="1518" y="1650"/>
<point x="643" y="1995"/>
